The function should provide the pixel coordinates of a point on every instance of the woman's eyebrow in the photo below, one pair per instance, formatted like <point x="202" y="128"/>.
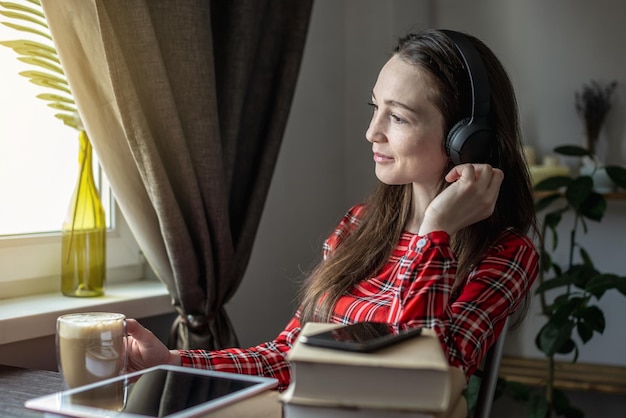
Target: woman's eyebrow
<point x="399" y="104"/>
<point x="396" y="103"/>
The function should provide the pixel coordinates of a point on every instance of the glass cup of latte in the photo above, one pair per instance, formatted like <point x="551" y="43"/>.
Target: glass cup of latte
<point x="91" y="347"/>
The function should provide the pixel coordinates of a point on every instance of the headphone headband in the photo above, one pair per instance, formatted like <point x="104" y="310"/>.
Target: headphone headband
<point x="479" y="83"/>
<point x="471" y="140"/>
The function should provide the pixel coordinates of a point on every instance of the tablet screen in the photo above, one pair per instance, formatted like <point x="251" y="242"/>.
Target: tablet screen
<point x="158" y="392"/>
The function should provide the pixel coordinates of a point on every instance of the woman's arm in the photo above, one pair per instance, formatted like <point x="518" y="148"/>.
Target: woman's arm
<point x="468" y="324"/>
<point x="268" y="359"/>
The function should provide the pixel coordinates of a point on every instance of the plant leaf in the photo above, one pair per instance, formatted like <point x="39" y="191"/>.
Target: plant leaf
<point x="41" y="56"/>
<point x="51" y="78"/>
<point x="21" y="16"/>
<point x="572" y="151"/>
<point x="617" y="174"/>
<point x="518" y="391"/>
<point x="567" y="347"/>
<point x="621" y="285"/>
<point x="567" y="309"/>
<point x="43" y="64"/>
<point x="553" y="183"/>
<point x="585" y="257"/>
<point x="32" y="48"/>
<point x="553" y="336"/>
<point x="594" y="318"/>
<point x="563" y="406"/>
<point x="546" y="201"/>
<point x="593" y="207"/>
<point x="578" y="190"/>
<point x="560" y="401"/>
<point x="68" y="119"/>
<point x="55" y="98"/>
<point x="61" y="106"/>
<point x="27" y="29"/>
<point x="603" y="282"/>
<point x="584" y="331"/>
<point x="46" y="80"/>
<point x="537" y="407"/>
<point x="581" y="274"/>
<point x="20" y="7"/>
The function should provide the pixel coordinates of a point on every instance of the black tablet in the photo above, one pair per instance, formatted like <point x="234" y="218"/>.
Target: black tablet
<point x="360" y="336"/>
<point x="161" y="391"/>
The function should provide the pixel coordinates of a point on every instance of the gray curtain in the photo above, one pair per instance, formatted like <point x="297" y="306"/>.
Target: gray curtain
<point x="186" y="104"/>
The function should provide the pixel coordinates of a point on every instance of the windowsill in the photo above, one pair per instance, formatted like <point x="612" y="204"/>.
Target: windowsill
<point x="31" y="317"/>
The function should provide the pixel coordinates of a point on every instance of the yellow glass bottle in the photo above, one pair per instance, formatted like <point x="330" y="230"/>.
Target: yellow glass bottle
<point x="83" y="264"/>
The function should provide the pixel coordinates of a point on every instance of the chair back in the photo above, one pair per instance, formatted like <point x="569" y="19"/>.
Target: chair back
<point x="489" y="378"/>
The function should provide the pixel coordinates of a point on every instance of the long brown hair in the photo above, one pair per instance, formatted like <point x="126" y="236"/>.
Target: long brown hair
<point x="367" y="249"/>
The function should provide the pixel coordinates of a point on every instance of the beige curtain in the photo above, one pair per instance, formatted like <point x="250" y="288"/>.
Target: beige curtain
<point x="186" y="103"/>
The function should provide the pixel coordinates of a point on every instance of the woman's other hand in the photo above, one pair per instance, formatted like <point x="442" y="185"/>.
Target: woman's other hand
<point x="470" y="198"/>
<point x="146" y="350"/>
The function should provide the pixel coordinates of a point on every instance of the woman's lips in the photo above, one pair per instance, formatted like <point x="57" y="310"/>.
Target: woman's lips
<point x="382" y="158"/>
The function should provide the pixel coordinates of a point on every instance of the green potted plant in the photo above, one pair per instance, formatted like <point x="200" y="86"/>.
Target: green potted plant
<point x="579" y="284"/>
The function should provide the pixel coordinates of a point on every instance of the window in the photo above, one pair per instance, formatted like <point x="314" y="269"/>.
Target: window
<point x="38" y="171"/>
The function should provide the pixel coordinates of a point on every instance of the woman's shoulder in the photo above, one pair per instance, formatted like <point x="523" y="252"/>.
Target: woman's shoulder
<point x="349" y="222"/>
<point x="511" y="237"/>
<point x="355" y="213"/>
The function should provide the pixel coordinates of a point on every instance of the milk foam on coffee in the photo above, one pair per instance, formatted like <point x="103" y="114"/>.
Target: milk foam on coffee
<point x="90" y="347"/>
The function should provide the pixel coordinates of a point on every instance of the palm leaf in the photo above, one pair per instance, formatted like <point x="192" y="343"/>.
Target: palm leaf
<point x="48" y="72"/>
<point x="27" y="29"/>
<point x="62" y="106"/>
<point x="43" y="64"/>
<point x="55" y="98"/>
<point x="46" y="80"/>
<point x="32" y="48"/>
<point x="50" y="78"/>
<point x="20" y="7"/>
<point x="21" y="16"/>
<point x="68" y="119"/>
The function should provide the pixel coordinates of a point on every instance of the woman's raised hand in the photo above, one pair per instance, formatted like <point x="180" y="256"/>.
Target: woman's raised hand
<point x="470" y="198"/>
<point x="145" y="349"/>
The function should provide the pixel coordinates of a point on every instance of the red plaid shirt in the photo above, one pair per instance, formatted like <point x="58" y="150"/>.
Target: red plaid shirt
<point x="414" y="288"/>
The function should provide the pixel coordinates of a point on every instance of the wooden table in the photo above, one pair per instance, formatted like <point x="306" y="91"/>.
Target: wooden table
<point x="18" y="385"/>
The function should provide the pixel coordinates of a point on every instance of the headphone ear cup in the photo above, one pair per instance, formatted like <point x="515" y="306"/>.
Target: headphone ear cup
<point x="470" y="141"/>
<point x="455" y="141"/>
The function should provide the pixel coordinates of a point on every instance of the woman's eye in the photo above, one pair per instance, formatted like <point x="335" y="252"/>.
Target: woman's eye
<point x="374" y="106"/>
<point x="397" y="118"/>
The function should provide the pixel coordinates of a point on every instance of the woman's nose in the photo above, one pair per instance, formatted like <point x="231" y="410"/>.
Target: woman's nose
<point x="374" y="131"/>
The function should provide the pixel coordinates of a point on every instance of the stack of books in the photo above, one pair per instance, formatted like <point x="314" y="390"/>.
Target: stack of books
<point x="410" y="379"/>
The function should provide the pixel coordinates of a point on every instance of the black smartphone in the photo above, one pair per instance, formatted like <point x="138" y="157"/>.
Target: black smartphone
<point x="361" y="336"/>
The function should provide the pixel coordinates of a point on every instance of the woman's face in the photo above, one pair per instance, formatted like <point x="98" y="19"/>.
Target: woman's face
<point x="406" y="130"/>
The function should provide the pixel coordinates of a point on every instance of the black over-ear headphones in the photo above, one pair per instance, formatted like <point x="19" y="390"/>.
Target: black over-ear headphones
<point x="471" y="140"/>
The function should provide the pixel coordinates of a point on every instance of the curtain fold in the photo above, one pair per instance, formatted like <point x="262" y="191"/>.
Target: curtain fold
<point x="186" y="104"/>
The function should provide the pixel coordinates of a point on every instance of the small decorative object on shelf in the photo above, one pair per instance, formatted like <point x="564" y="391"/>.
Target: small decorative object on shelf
<point x="593" y="103"/>
<point x="550" y="166"/>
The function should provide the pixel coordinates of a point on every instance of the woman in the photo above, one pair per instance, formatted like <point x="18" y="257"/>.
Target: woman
<point x="437" y="245"/>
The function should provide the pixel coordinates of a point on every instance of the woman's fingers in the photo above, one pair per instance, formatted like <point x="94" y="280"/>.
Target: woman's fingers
<point x="470" y="198"/>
